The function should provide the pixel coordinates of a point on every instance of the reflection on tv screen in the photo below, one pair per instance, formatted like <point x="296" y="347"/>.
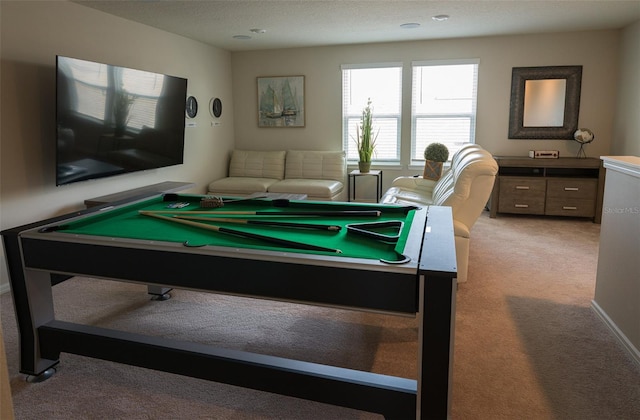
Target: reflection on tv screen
<point x="113" y="120"/>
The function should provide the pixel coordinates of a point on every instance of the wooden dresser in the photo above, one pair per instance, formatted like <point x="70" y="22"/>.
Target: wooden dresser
<point x="552" y="187"/>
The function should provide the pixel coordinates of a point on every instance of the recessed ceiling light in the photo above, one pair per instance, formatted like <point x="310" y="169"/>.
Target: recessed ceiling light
<point x="440" y="18"/>
<point x="258" y="31"/>
<point x="241" y="37"/>
<point x="410" y="25"/>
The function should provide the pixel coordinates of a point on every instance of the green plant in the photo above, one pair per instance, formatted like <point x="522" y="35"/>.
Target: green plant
<point x="122" y="102"/>
<point x="365" y="139"/>
<point x="436" y="152"/>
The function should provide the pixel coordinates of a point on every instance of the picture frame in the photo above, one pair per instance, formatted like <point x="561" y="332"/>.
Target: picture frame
<point x="518" y="129"/>
<point x="281" y="102"/>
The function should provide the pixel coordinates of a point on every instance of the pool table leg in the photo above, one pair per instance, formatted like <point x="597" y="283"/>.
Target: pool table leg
<point x="33" y="300"/>
<point x="436" y="335"/>
<point x="159" y="292"/>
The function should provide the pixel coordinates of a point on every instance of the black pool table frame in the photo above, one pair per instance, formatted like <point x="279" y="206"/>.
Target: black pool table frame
<point x="425" y="288"/>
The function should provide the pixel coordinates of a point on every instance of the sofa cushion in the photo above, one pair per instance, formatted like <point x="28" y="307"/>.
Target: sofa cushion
<point x="257" y="164"/>
<point x="311" y="164"/>
<point x="240" y="185"/>
<point x="405" y="197"/>
<point x="316" y="189"/>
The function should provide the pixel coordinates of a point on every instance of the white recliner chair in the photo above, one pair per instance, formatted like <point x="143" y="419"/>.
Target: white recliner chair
<point x="465" y="187"/>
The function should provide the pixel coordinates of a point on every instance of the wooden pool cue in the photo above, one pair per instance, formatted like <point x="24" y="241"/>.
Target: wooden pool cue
<point x="334" y="228"/>
<point x="330" y="213"/>
<point x="265" y="238"/>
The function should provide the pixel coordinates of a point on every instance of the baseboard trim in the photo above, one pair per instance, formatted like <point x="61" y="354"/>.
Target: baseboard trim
<point x="622" y="338"/>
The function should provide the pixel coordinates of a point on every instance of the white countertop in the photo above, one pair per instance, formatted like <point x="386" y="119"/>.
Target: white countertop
<point x="628" y="164"/>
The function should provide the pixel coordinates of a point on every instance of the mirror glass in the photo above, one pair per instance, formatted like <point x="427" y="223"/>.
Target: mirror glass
<point x="545" y="102"/>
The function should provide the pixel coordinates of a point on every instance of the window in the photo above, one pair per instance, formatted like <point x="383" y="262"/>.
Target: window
<point x="383" y="84"/>
<point x="94" y="84"/>
<point x="443" y="105"/>
<point x="146" y="88"/>
<point x="90" y="80"/>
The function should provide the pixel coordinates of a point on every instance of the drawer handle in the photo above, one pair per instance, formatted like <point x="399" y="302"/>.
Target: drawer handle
<point x="522" y="206"/>
<point x="571" y="189"/>
<point x="522" y="187"/>
<point x="569" y="208"/>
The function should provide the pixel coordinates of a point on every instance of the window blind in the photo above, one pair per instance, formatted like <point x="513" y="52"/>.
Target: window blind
<point x="382" y="83"/>
<point x="443" y="110"/>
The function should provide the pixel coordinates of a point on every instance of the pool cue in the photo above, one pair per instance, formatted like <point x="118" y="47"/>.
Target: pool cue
<point x="334" y="228"/>
<point x="277" y="241"/>
<point x="345" y="213"/>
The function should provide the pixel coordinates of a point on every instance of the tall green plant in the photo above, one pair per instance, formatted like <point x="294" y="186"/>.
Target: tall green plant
<point x="365" y="139"/>
<point x="122" y="102"/>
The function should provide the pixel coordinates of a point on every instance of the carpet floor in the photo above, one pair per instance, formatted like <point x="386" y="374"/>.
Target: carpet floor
<point x="527" y="343"/>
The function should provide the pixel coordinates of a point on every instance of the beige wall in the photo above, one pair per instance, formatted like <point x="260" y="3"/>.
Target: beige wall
<point x="597" y="52"/>
<point x="626" y="132"/>
<point x="33" y="33"/>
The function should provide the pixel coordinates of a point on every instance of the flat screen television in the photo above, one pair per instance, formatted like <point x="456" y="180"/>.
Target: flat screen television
<point x="113" y="120"/>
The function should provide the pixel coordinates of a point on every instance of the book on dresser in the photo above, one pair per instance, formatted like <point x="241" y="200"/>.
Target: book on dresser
<point x="551" y="187"/>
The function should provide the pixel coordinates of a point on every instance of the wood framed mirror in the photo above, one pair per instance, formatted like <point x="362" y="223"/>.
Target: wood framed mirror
<point x="545" y="102"/>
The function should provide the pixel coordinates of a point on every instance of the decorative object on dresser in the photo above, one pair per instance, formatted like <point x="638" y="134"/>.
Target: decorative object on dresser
<point x="544" y="154"/>
<point x="552" y="187"/>
<point x="583" y="136"/>
<point x="365" y="139"/>
<point x="435" y="154"/>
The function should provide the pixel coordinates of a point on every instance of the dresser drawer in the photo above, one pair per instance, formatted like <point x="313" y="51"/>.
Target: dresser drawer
<point x="570" y="207"/>
<point x="522" y="187"/>
<point x="578" y="188"/>
<point x="522" y="205"/>
<point x="521" y="195"/>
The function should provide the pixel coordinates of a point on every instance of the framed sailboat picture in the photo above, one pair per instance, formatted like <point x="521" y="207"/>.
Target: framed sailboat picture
<point x="281" y="101"/>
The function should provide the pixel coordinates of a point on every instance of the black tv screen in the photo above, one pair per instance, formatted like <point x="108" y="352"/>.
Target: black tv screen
<point x="113" y="120"/>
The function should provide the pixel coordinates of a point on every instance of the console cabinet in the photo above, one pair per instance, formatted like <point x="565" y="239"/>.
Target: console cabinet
<point x="552" y="187"/>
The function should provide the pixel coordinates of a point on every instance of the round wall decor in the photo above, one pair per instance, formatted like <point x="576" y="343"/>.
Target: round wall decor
<point x="192" y="107"/>
<point x="216" y="107"/>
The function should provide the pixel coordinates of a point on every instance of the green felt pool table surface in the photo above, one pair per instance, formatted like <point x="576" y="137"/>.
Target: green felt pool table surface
<point x="129" y="221"/>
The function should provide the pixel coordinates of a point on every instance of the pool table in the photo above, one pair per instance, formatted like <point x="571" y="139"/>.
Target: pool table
<point x="392" y="259"/>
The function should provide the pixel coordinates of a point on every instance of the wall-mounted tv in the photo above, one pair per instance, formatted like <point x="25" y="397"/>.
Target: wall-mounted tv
<point x="113" y="120"/>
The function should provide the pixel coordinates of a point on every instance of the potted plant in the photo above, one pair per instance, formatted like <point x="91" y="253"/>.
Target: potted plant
<point x="435" y="155"/>
<point x="365" y="139"/>
<point x="122" y="102"/>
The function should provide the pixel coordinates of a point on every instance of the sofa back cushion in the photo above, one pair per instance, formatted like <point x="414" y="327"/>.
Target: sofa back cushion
<point x="445" y="184"/>
<point x="308" y="164"/>
<point x="257" y="164"/>
<point x="472" y="176"/>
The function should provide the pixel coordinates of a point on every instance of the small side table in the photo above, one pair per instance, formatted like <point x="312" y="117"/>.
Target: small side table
<point x="352" y="180"/>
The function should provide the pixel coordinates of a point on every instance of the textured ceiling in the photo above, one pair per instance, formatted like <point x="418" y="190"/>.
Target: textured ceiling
<point x="302" y="23"/>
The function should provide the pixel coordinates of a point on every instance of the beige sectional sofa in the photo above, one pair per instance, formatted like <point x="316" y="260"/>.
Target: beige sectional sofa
<point x="465" y="187"/>
<point x="321" y="175"/>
